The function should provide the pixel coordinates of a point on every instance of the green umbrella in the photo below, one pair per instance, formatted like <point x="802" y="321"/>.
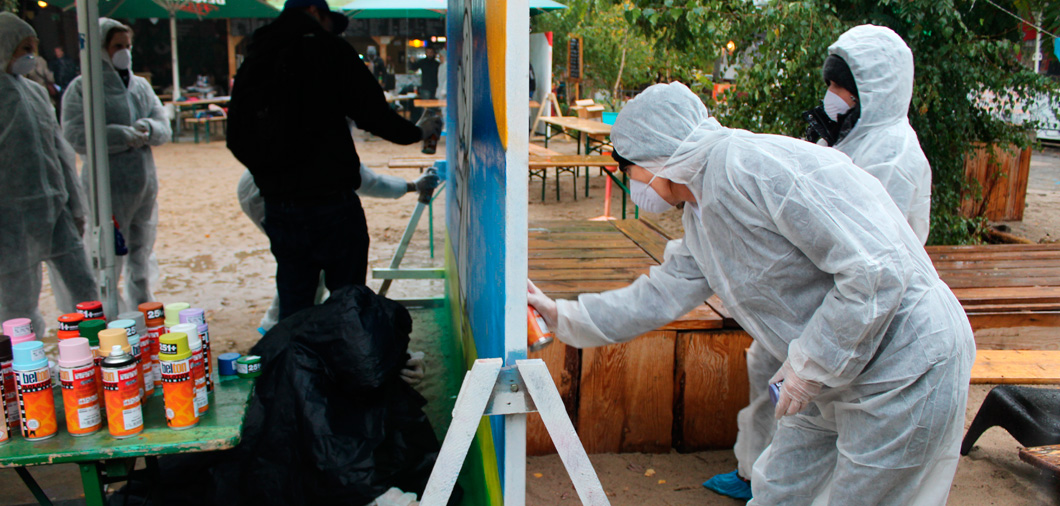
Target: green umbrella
<point x="177" y="9"/>
<point x="371" y="9"/>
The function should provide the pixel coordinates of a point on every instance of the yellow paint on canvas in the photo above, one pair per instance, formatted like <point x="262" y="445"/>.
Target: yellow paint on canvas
<point x="496" y="48"/>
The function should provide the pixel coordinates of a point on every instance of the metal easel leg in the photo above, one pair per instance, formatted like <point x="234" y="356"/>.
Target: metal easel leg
<point x="410" y="230"/>
<point x="526" y="387"/>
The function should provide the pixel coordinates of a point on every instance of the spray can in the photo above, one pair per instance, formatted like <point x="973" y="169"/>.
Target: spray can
<point x="9" y="400"/>
<point x="92" y="310"/>
<point x="538" y="334"/>
<point x="146" y="370"/>
<point x="89" y="329"/>
<point x="248" y="366"/>
<point x="68" y="325"/>
<point x="5" y="363"/>
<point x="198" y="372"/>
<point x="121" y="390"/>
<point x="77" y="375"/>
<point x="172" y="314"/>
<point x="33" y="384"/>
<point x="135" y="349"/>
<point x="154" y="320"/>
<point x="178" y="387"/>
<point x="198" y="317"/>
<point x="16" y="328"/>
<point x="774" y="391"/>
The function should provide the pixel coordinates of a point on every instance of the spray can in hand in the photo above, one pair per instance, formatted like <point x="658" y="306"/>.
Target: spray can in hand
<point x="538" y="335"/>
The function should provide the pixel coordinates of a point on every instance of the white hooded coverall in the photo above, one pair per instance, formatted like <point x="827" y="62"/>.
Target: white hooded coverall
<point x="816" y="262"/>
<point x="882" y="143"/>
<point x="133" y="179"/>
<point x="42" y="204"/>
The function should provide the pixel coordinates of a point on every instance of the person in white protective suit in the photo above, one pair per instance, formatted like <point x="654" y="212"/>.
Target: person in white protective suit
<point x="135" y="122"/>
<point x="42" y="214"/>
<point x="869" y="73"/>
<point x="372" y="185"/>
<point x="816" y="262"/>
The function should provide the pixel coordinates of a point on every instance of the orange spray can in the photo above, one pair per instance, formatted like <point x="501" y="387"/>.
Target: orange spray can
<point x="89" y="329"/>
<point x="121" y="390"/>
<point x="154" y="320"/>
<point x="68" y="325"/>
<point x="77" y="375"/>
<point x="198" y="370"/>
<point x="33" y="384"/>
<point x="537" y="333"/>
<point x="178" y="386"/>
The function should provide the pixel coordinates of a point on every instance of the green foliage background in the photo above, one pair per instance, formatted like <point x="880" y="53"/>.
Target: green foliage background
<point x="962" y="49"/>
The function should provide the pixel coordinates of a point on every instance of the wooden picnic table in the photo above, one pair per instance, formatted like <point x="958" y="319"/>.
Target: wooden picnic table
<point x="179" y="106"/>
<point x="436" y="103"/>
<point x="682" y="385"/>
<point x="219" y="429"/>
<point x="587" y="131"/>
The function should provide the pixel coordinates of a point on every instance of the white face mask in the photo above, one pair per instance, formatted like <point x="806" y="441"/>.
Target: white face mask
<point x="122" y="59"/>
<point x="834" y="105"/>
<point x="24" y="65"/>
<point x="647" y="198"/>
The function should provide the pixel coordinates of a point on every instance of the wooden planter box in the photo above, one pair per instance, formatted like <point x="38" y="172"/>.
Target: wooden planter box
<point x="1003" y="178"/>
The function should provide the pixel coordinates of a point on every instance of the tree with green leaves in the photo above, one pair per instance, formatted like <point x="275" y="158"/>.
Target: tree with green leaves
<point x="963" y="49"/>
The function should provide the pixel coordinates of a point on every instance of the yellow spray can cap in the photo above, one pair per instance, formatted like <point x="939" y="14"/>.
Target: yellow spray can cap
<point x="173" y="346"/>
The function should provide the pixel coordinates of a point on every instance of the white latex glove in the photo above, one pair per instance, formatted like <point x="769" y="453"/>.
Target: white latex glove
<point x="134" y="138"/>
<point x="142" y="125"/>
<point x="795" y="394"/>
<point x="413" y="372"/>
<point x="542" y="303"/>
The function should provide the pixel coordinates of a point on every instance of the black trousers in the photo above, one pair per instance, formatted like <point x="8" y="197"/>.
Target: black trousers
<point x="308" y="237"/>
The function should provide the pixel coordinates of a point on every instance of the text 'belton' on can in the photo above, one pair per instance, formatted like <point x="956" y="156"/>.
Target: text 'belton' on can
<point x="537" y="333"/>
<point x="178" y="386"/>
<point x="33" y="384"/>
<point x="198" y="371"/>
<point x="121" y="391"/>
<point x="7" y="378"/>
<point x="77" y="376"/>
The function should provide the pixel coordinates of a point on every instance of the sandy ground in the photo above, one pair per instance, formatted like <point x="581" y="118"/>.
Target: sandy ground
<point x="213" y="257"/>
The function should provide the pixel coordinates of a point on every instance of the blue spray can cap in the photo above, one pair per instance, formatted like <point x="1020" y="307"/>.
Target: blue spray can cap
<point x="774" y="392"/>
<point x="29" y="356"/>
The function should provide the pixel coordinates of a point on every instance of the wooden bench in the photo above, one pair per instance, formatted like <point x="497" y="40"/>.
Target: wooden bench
<point x="1024" y="367"/>
<point x="565" y="163"/>
<point x="542" y="172"/>
<point x="1046" y="458"/>
<point x="420" y="163"/>
<point x="195" y="122"/>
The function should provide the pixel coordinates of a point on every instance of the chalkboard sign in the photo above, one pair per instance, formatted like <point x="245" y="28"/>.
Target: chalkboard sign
<point x="574" y="58"/>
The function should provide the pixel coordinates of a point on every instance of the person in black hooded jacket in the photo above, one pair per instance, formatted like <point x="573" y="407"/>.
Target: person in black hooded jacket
<point x="288" y="125"/>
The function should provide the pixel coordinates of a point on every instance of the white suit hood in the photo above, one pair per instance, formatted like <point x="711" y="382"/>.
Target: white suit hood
<point x="12" y="31"/>
<point x="882" y="142"/>
<point x="667" y="130"/>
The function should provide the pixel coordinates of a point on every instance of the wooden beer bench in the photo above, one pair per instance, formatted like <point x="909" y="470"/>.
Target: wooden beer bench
<point x="681" y="385"/>
<point x="195" y="122"/>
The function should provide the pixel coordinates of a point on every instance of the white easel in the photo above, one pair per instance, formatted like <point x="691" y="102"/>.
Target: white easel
<point x="526" y="387"/>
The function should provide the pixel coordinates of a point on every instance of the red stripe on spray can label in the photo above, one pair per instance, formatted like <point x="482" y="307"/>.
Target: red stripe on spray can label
<point x="5" y="432"/>
<point x="81" y="399"/>
<point x="36" y="404"/>
<point x="198" y="374"/>
<point x="153" y="333"/>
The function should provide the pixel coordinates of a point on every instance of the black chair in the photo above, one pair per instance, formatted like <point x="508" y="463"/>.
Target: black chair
<point x="1031" y="415"/>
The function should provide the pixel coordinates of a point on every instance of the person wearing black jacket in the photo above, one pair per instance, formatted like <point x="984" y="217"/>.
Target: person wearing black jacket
<point x="287" y="123"/>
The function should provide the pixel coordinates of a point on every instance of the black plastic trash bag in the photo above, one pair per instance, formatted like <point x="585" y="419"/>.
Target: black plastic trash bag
<point x="330" y="421"/>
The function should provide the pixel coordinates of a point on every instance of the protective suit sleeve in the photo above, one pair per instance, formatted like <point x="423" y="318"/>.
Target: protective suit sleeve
<point x="904" y="192"/>
<point x="73" y="117"/>
<point x="669" y="292"/>
<point x="381" y="186"/>
<point x="76" y="198"/>
<point x="846" y="238"/>
<point x="160" y="132"/>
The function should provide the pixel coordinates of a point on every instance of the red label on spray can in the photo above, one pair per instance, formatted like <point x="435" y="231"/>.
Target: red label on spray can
<point x="36" y="404"/>
<point x="153" y="333"/>
<point x="121" y="389"/>
<point x="205" y="336"/>
<point x="10" y="399"/>
<point x="178" y="390"/>
<point x="81" y="399"/>
<point x="5" y="432"/>
<point x="198" y="373"/>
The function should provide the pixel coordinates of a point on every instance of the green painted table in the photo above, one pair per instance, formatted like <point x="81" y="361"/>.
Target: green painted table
<point x="103" y="459"/>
